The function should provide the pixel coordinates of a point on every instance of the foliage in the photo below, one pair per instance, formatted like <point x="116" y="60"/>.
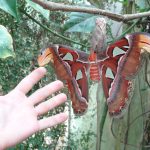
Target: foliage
<point x="6" y="47"/>
<point x="29" y="37"/>
<point x="38" y="8"/>
<point x="10" y="7"/>
<point x="80" y="22"/>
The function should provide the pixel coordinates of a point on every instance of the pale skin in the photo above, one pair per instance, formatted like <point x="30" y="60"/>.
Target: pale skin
<point x="18" y="113"/>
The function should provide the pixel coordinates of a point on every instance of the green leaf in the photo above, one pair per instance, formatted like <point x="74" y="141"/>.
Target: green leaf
<point x="38" y="8"/>
<point x="10" y="6"/>
<point x="6" y="43"/>
<point x="129" y="131"/>
<point x="80" y="22"/>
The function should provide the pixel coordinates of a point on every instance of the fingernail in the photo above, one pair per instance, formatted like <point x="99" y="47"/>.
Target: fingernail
<point x="60" y="83"/>
<point x="43" y="69"/>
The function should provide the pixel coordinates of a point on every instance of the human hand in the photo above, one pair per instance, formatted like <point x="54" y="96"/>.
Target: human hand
<point x="19" y="115"/>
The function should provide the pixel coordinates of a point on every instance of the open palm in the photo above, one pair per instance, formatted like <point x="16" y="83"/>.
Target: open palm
<point x="19" y="113"/>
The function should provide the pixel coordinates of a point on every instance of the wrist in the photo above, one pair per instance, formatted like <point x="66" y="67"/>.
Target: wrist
<point x="3" y="144"/>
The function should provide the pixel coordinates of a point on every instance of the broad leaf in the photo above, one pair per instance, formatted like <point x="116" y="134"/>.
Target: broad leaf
<point x="129" y="132"/>
<point x="80" y="22"/>
<point x="10" y="6"/>
<point x="6" y="43"/>
<point x="38" y="8"/>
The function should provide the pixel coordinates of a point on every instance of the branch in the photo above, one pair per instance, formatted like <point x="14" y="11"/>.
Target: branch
<point x="69" y="8"/>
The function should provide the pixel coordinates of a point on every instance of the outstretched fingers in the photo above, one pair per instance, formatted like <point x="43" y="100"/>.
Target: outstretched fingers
<point x="52" y="121"/>
<point x="44" y="107"/>
<point x="46" y="91"/>
<point x="29" y="81"/>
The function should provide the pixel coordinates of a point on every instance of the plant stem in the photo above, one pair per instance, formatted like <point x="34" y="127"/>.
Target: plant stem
<point x="53" y="32"/>
<point x="125" y="32"/>
<point x="100" y="120"/>
<point x="127" y="130"/>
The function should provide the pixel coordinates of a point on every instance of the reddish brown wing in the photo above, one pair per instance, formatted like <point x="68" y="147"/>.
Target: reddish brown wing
<point x="137" y="42"/>
<point x="67" y="69"/>
<point x="116" y="89"/>
<point x="132" y="45"/>
<point x="124" y="67"/>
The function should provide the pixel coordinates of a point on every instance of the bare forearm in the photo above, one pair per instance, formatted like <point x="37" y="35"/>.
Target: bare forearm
<point x="2" y="141"/>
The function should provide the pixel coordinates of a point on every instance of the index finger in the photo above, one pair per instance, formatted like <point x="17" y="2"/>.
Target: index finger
<point x="29" y="81"/>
